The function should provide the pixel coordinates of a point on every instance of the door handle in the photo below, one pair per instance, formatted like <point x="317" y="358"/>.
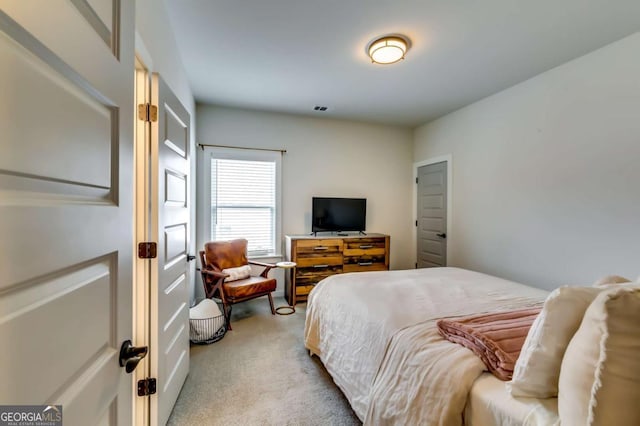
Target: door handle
<point x="131" y="355"/>
<point x="190" y="257"/>
<point x="443" y="235"/>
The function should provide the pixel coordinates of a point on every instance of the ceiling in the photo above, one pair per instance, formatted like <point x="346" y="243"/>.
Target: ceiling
<point x="291" y="55"/>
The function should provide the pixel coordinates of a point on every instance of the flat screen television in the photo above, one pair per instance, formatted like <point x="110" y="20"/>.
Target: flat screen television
<point x="338" y="214"/>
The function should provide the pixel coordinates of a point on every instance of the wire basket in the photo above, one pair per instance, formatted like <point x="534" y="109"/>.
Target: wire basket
<point x="207" y="330"/>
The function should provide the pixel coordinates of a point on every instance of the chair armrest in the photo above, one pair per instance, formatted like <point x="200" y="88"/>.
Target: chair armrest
<point x="212" y="281"/>
<point x="267" y="267"/>
<point x="214" y="274"/>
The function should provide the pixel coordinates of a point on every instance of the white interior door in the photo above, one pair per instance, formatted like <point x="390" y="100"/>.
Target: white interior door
<point x="66" y="120"/>
<point x="432" y="215"/>
<point x="170" y="223"/>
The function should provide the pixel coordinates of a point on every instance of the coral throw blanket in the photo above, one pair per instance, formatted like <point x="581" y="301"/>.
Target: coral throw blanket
<point x="496" y="338"/>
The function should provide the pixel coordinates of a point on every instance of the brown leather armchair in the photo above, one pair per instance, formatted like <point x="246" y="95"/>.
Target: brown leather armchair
<point x="219" y="256"/>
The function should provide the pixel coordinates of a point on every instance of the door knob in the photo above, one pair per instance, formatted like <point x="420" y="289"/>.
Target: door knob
<point x="131" y="355"/>
<point x="190" y="257"/>
<point x="443" y="235"/>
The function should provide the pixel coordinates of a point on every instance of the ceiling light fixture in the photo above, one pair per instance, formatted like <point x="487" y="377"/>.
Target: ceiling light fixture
<point x="388" y="49"/>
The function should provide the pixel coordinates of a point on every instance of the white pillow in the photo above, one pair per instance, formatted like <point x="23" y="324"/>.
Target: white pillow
<point x="207" y="308"/>
<point x="239" y="273"/>
<point x="537" y="369"/>
<point x="600" y="375"/>
<point x="611" y="279"/>
<point x="201" y="328"/>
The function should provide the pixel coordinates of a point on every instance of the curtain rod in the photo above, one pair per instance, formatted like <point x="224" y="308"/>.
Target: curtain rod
<point x="282" y="151"/>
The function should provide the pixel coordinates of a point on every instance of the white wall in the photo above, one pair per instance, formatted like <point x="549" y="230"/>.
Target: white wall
<point x="157" y="48"/>
<point x="546" y="174"/>
<point x="154" y="30"/>
<point x="326" y="158"/>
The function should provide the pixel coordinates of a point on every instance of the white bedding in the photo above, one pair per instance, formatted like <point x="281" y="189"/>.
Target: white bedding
<point x="490" y="403"/>
<point x="375" y="333"/>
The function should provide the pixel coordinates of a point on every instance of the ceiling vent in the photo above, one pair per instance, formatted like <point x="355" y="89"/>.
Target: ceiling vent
<point x="319" y="108"/>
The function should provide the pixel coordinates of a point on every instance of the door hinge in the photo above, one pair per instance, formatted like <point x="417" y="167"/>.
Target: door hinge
<point x="147" y="112"/>
<point x="146" y="386"/>
<point x="416" y="265"/>
<point x="416" y="180"/>
<point x="416" y="223"/>
<point x="147" y="250"/>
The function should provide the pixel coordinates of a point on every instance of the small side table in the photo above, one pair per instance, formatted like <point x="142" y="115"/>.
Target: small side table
<point x="289" y="268"/>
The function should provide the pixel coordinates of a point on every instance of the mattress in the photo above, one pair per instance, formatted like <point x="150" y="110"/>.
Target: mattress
<point x="490" y="403"/>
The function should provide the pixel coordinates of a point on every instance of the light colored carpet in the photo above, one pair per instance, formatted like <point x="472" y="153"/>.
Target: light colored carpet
<point x="260" y="374"/>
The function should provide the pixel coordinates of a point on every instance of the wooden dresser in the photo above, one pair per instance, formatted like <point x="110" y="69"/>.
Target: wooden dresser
<point x="323" y="256"/>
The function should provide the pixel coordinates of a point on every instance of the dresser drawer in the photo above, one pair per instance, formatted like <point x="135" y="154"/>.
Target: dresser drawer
<point x="318" y="253"/>
<point x="319" y="261"/>
<point x="304" y="290"/>
<point x="308" y="277"/>
<point x="365" y="266"/>
<point x="364" y="263"/>
<point x="315" y="274"/>
<point x="365" y="246"/>
<point x="314" y="247"/>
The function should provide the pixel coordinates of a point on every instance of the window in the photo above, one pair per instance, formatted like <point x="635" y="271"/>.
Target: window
<point x="244" y="198"/>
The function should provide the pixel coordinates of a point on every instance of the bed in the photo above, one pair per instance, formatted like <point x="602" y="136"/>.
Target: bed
<point x="376" y="334"/>
<point x="489" y="403"/>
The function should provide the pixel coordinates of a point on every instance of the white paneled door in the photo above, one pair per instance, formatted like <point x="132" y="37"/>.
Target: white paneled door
<point x="66" y="129"/>
<point x="170" y="273"/>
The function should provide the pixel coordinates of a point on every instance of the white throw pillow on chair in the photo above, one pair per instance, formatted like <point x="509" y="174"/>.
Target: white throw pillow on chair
<point x="239" y="273"/>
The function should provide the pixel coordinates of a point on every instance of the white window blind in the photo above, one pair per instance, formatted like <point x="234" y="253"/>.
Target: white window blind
<point x="243" y="203"/>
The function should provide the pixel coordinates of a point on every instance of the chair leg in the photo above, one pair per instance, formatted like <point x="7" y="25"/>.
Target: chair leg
<point x="229" y="318"/>
<point x="226" y="309"/>
<point x="273" y="311"/>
